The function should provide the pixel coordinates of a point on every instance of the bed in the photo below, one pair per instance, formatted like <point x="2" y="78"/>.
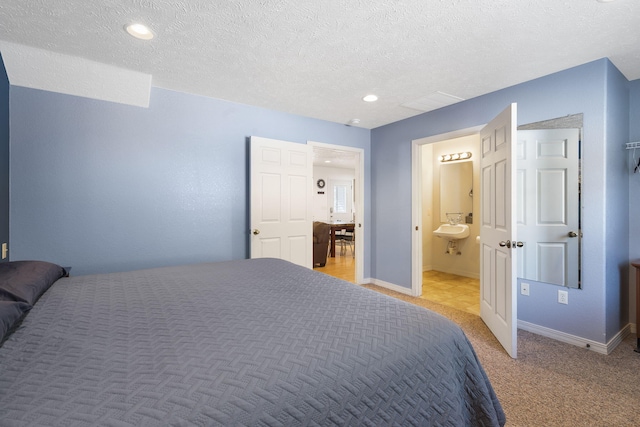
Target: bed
<point x="240" y="343"/>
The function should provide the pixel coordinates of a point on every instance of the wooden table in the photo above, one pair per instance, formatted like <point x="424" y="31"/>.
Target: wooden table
<point x="337" y="226"/>
<point x="636" y="264"/>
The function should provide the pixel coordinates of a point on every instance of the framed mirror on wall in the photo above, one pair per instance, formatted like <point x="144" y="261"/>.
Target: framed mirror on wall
<point x="456" y="190"/>
<point x="549" y="202"/>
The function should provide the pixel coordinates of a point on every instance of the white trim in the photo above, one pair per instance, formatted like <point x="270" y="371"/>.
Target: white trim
<point x="575" y="340"/>
<point x="416" y="218"/>
<point x="359" y="202"/>
<point x="393" y="287"/>
<point x="600" y="348"/>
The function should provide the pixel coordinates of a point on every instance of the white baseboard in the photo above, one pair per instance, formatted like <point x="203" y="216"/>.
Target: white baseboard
<point x="391" y="286"/>
<point x="575" y="340"/>
<point x="541" y="330"/>
<point x="457" y="272"/>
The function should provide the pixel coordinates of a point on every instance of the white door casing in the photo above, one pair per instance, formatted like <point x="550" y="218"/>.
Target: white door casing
<point x="281" y="200"/>
<point x="498" y="262"/>
<point x="416" y="198"/>
<point x="548" y="205"/>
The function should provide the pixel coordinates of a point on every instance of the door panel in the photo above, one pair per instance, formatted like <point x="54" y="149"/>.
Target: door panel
<point x="501" y="200"/>
<point x="498" y="307"/>
<point x="281" y="189"/>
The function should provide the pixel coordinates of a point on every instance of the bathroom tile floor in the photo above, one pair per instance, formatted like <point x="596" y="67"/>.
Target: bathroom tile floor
<point x="454" y="291"/>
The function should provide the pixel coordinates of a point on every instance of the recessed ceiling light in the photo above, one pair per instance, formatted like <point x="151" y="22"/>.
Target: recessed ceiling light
<point x="370" y="98"/>
<point x="139" y="31"/>
<point x="605" y="1"/>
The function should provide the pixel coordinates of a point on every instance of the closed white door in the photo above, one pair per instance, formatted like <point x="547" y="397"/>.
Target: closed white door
<point x="498" y="263"/>
<point x="548" y="205"/>
<point x="281" y="201"/>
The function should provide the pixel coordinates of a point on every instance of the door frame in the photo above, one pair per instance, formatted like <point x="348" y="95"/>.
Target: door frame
<point x="358" y="188"/>
<point x="416" y="198"/>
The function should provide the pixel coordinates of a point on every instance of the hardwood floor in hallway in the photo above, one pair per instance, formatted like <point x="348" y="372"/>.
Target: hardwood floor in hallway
<point x="342" y="266"/>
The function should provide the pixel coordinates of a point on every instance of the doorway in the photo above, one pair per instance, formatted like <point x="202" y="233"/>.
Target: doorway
<point x="504" y="164"/>
<point x="338" y="196"/>
<point x="498" y="303"/>
<point x="450" y="177"/>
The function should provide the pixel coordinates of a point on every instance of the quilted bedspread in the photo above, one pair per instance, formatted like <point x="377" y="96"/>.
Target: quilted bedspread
<point x="240" y="343"/>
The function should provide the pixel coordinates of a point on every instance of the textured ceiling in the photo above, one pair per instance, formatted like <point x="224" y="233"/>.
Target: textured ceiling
<point x="319" y="58"/>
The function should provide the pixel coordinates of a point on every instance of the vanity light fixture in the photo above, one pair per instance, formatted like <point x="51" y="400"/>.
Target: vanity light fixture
<point x="455" y="156"/>
<point x="139" y="31"/>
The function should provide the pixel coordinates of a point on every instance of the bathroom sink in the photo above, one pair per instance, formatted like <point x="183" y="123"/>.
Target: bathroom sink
<point x="452" y="232"/>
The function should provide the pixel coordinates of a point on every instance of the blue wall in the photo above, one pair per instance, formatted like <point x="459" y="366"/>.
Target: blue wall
<point x="634" y="183"/>
<point x="595" y="89"/>
<point x="634" y="178"/>
<point x="108" y="187"/>
<point x="617" y="201"/>
<point x="4" y="155"/>
<point x="104" y="187"/>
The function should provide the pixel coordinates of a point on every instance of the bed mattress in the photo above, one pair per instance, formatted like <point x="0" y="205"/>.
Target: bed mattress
<point x="241" y="343"/>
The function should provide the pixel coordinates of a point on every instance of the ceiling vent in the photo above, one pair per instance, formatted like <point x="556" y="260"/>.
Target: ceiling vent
<point x="432" y="102"/>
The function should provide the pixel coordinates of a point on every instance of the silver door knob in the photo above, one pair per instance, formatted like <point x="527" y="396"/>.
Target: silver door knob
<point x="256" y="232"/>
<point x="507" y="244"/>
<point x="519" y="244"/>
<point x="572" y="234"/>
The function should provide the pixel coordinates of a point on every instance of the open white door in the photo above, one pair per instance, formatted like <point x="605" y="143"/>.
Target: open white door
<point x="281" y="201"/>
<point x="498" y="262"/>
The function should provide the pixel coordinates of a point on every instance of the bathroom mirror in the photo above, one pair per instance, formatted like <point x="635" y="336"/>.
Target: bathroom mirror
<point x="456" y="190"/>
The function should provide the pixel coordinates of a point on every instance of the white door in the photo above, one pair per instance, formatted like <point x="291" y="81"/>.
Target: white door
<point x="281" y="203"/>
<point x="548" y="205"/>
<point x="498" y="262"/>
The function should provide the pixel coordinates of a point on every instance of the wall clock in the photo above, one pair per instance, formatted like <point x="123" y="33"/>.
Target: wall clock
<point x="320" y="183"/>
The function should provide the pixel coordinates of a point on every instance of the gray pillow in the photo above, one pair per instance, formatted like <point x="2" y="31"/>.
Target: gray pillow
<point x="26" y="281"/>
<point x="11" y="312"/>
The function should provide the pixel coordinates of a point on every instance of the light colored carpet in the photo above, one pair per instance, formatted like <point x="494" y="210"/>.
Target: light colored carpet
<point x="552" y="383"/>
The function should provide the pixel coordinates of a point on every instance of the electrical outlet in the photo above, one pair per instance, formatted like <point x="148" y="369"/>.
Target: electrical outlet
<point x="563" y="297"/>
<point x="5" y="249"/>
<point x="524" y="288"/>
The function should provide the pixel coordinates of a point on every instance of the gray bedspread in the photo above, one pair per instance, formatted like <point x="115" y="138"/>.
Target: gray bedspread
<point x="254" y="342"/>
